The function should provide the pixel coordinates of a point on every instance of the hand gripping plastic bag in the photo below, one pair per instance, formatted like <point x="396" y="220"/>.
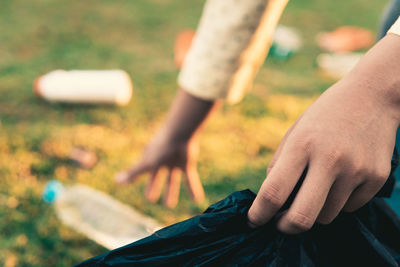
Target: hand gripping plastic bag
<point x="220" y="237"/>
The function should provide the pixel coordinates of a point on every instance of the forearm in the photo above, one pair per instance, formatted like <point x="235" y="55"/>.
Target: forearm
<point x="378" y="75"/>
<point x="186" y="116"/>
<point x="341" y="146"/>
<point x="231" y="43"/>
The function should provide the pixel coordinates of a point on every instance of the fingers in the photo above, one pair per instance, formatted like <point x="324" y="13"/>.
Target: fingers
<point x="362" y="194"/>
<point x="157" y="179"/>
<point x="132" y="174"/>
<point x="194" y="184"/>
<point x="277" y="187"/>
<point x="155" y="185"/>
<point x="279" y="149"/>
<point x="173" y="186"/>
<point x="277" y="152"/>
<point x="309" y="200"/>
<point x="337" y="198"/>
<point x="347" y="194"/>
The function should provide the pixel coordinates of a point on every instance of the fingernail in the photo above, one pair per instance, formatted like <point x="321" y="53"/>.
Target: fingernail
<point x="251" y="225"/>
<point x="151" y="197"/>
<point x="283" y="226"/>
<point x="249" y="222"/>
<point x="279" y="222"/>
<point x="170" y="204"/>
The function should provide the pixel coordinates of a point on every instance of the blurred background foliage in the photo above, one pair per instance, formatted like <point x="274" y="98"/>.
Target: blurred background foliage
<point x="137" y="36"/>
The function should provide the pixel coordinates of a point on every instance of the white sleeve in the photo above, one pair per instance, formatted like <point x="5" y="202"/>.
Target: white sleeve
<point x="395" y="29"/>
<point x="231" y="42"/>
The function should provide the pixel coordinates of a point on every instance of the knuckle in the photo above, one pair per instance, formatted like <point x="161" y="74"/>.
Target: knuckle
<point x="269" y="168"/>
<point x="300" y="221"/>
<point x="350" y="208"/>
<point x="301" y="144"/>
<point x="357" y="168"/>
<point x="255" y="218"/>
<point x="382" y="174"/>
<point x="332" y="157"/>
<point x="271" y="197"/>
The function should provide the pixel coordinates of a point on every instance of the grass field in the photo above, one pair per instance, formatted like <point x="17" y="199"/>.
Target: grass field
<point x="137" y="36"/>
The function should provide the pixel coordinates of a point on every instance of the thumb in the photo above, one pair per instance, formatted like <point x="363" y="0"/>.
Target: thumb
<point x="131" y="174"/>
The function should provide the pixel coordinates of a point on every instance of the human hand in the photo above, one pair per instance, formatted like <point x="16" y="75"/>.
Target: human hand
<point x="175" y="148"/>
<point x="176" y="157"/>
<point x="345" y="140"/>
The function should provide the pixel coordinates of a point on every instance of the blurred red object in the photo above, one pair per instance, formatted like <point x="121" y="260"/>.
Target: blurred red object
<point x="182" y="45"/>
<point x="345" y="39"/>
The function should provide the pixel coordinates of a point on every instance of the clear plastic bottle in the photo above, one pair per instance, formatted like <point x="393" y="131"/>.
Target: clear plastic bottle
<point x="97" y="215"/>
<point x="286" y="42"/>
<point x="85" y="87"/>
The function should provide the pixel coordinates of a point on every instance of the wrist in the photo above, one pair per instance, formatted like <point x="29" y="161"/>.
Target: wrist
<point x="185" y="118"/>
<point x="174" y="135"/>
<point x="376" y="78"/>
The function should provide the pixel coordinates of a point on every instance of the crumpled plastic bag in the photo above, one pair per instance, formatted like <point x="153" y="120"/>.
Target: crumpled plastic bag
<point x="220" y="237"/>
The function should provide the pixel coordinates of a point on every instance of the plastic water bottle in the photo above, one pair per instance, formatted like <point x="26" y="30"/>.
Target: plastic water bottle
<point x="286" y="41"/>
<point x="337" y="65"/>
<point x="85" y="87"/>
<point x="95" y="214"/>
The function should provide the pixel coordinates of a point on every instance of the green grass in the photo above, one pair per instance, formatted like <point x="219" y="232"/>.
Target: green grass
<point x="137" y="36"/>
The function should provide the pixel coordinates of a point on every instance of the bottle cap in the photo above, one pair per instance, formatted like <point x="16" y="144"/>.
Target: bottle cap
<point x="36" y="87"/>
<point x="51" y="191"/>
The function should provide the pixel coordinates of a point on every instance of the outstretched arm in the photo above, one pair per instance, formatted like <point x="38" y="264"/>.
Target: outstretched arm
<point x="231" y="43"/>
<point x="174" y="147"/>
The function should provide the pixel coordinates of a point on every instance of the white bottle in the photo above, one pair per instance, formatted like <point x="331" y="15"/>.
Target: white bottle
<point x="97" y="215"/>
<point x="85" y="87"/>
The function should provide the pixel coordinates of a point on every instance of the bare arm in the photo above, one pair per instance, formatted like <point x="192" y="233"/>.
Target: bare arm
<point x="186" y="116"/>
<point x="174" y="147"/>
<point x="230" y="45"/>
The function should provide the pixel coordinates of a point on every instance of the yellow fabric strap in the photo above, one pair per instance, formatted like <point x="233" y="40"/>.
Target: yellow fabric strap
<point x="395" y="29"/>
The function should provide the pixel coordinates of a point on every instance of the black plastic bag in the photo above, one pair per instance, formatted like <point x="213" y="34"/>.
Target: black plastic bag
<point x="220" y="237"/>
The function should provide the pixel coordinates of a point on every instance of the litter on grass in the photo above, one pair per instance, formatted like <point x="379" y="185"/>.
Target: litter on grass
<point x="85" y="87"/>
